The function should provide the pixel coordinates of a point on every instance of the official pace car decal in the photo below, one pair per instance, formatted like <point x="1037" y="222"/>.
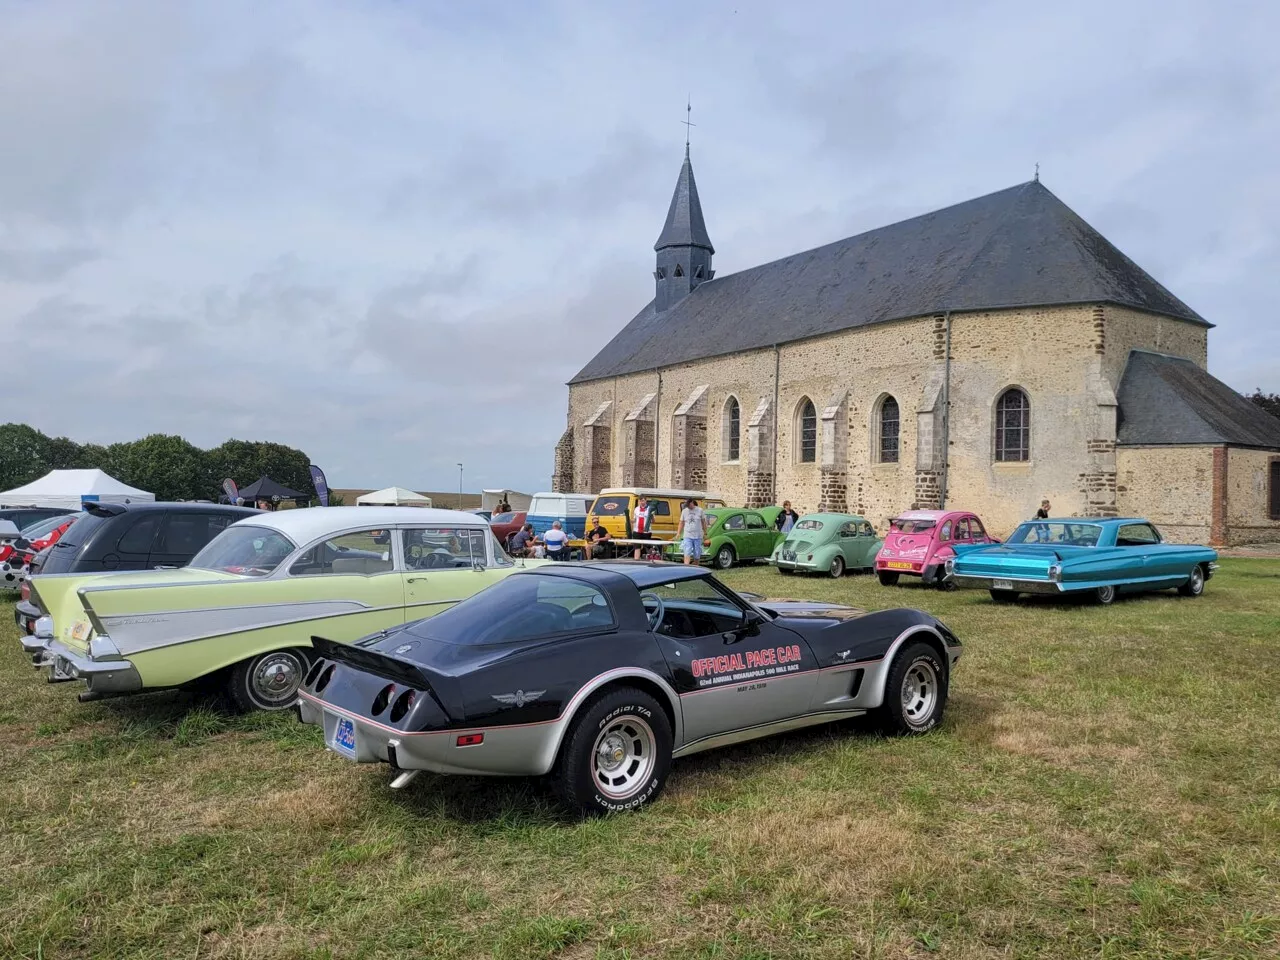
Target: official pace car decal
<point x="747" y="665"/>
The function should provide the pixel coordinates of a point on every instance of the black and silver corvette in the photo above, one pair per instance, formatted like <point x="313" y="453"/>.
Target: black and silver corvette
<point x="600" y="673"/>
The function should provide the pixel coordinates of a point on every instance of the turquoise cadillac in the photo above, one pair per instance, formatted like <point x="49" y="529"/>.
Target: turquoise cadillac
<point x="1095" y="558"/>
<point x="240" y="616"/>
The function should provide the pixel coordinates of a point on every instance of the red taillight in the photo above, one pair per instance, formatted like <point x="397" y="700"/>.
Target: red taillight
<point x="25" y="592"/>
<point x="470" y="739"/>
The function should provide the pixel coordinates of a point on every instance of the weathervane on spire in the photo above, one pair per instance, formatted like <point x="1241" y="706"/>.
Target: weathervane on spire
<point x="1037" y="171"/>
<point x="688" y="111"/>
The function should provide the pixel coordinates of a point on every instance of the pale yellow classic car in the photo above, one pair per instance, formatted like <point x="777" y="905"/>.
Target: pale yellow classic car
<point x="240" y="617"/>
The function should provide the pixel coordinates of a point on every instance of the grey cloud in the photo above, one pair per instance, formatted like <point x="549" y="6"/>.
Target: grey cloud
<point x="42" y="266"/>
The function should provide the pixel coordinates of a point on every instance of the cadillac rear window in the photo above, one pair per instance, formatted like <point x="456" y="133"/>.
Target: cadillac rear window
<point x="1063" y="534"/>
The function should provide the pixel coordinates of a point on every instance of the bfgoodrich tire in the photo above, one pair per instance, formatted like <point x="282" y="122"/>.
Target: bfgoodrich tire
<point x="269" y="681"/>
<point x="1195" y="583"/>
<point x="915" y="695"/>
<point x="887" y="578"/>
<point x="616" y="755"/>
<point x="725" y="557"/>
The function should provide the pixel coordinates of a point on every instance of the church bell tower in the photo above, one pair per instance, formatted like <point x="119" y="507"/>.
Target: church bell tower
<point x="684" y="248"/>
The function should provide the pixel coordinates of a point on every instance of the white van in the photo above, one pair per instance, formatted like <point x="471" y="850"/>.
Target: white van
<point x="569" y="508"/>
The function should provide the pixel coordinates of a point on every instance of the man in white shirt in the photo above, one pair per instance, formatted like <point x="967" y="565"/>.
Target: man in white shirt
<point x="641" y="522"/>
<point x="555" y="539"/>
<point x="692" y="523"/>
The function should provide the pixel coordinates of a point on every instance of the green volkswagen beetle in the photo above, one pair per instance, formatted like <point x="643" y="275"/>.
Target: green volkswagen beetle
<point x="736" y="536"/>
<point x="830" y="543"/>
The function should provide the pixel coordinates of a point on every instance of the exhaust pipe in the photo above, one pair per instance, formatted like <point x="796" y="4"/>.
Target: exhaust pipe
<point x="88" y="696"/>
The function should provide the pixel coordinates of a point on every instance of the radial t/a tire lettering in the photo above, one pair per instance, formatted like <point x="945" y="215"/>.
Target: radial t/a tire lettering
<point x="915" y="693"/>
<point x="616" y="755"/>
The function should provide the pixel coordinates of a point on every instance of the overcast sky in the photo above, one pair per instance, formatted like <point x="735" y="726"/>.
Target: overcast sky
<point x="388" y="232"/>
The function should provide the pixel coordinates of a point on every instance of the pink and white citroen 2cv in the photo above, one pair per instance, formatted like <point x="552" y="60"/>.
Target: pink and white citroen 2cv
<point x="918" y="544"/>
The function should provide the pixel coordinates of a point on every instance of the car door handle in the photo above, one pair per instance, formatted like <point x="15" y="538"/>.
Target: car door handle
<point x="414" y="579"/>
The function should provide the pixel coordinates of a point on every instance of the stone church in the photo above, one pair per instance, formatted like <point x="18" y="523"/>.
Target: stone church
<point x="985" y="356"/>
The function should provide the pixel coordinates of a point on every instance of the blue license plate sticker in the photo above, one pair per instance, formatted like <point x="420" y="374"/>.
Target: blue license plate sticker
<point x="344" y="737"/>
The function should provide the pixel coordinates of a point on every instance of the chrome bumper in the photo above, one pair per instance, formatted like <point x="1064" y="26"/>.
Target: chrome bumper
<point x="100" y="676"/>
<point x="1017" y="586"/>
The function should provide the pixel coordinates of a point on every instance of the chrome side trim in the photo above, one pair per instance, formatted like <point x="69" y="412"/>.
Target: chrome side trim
<point x="760" y="731"/>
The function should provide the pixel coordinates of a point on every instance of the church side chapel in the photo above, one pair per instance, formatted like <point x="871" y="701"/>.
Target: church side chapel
<point x="984" y="356"/>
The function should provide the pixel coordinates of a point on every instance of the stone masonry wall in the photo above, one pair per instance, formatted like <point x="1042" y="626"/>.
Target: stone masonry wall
<point x="1067" y="359"/>
<point x="562" y="475"/>
<point x="1170" y="486"/>
<point x="1248" y="497"/>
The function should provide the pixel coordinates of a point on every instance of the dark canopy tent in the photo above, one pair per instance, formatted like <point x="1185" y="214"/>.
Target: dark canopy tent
<point x="264" y="488"/>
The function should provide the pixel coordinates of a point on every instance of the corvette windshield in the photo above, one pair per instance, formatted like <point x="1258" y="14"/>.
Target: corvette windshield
<point x="249" y="551"/>
<point x="1056" y="532"/>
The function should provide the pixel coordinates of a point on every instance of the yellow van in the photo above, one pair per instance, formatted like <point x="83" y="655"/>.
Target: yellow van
<point x="616" y="506"/>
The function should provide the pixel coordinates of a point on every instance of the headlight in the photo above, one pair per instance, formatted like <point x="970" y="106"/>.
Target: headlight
<point x="44" y="628"/>
<point x="101" y="648"/>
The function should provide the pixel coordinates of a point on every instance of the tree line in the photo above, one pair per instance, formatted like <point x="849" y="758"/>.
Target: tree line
<point x="1269" y="402"/>
<point x="169" y="466"/>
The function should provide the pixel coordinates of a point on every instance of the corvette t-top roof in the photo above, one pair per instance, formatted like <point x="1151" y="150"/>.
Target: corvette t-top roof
<point x="305" y="524"/>
<point x="642" y="573"/>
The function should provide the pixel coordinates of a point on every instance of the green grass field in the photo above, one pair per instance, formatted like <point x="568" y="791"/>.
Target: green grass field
<point x="1106" y="784"/>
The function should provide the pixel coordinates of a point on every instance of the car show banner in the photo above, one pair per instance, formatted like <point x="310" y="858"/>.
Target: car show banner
<point x="231" y="490"/>
<point x="322" y="488"/>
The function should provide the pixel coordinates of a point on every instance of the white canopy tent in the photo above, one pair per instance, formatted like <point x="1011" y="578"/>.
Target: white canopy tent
<point x="393" y="497"/>
<point x="71" y="489"/>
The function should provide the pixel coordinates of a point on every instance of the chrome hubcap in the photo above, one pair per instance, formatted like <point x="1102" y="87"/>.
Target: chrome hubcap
<point x="623" y="757"/>
<point x="919" y="692"/>
<point x="276" y="678"/>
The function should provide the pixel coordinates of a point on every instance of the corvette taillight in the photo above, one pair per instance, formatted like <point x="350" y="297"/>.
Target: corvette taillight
<point x="383" y="698"/>
<point x="403" y="704"/>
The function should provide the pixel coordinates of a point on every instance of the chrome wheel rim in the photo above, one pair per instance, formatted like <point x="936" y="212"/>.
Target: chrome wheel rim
<point x="275" y="679"/>
<point x="837" y="567"/>
<point x="623" y="757"/>
<point x="725" y="558"/>
<point x="1106" y="594"/>
<point x="1197" y="580"/>
<point x="919" y="692"/>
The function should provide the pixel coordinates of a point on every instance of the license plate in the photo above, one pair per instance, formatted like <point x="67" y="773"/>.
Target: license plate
<point x="344" y="737"/>
<point x="897" y="565"/>
<point x="788" y="555"/>
<point x="80" y="631"/>
<point x="1001" y="584"/>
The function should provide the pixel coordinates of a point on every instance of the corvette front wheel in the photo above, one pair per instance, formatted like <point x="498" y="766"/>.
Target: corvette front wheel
<point x="616" y="754"/>
<point x="915" y="694"/>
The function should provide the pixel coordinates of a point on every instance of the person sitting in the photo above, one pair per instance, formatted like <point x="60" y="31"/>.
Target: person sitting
<point x="598" y="537"/>
<point x="555" y="540"/>
<point x="522" y="541"/>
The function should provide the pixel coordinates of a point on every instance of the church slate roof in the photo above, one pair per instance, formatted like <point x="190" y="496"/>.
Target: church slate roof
<point x="1018" y="247"/>
<point x="1171" y="401"/>
<point x="685" y="226"/>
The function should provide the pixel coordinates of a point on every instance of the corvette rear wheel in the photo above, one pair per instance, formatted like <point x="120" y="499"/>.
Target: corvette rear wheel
<point x="269" y="681"/>
<point x="725" y="557"/>
<point x="616" y="754"/>
<point x="887" y="578"/>
<point x="836" y="570"/>
<point x="915" y="694"/>
<point x="1195" y="583"/>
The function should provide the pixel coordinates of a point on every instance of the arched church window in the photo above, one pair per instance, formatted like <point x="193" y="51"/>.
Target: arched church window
<point x="679" y="270"/>
<point x="1013" y="426"/>
<point x="806" y="432"/>
<point x="888" y="426"/>
<point x="732" y="430"/>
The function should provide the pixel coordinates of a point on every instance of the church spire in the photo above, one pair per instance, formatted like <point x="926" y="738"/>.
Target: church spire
<point x="684" y="248"/>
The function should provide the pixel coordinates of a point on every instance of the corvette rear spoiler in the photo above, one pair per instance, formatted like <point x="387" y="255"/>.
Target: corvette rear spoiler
<point x="372" y="661"/>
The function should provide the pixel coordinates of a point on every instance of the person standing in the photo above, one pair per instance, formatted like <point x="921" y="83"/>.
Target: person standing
<point x="786" y="519"/>
<point x="1043" y="512"/>
<point x="642" y="522"/>
<point x="692" y="522"/>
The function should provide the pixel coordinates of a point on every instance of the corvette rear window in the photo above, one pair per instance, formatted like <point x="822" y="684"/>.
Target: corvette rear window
<point x="521" y="607"/>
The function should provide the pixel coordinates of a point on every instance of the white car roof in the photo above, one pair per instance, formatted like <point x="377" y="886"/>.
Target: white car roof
<point x="307" y="523"/>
